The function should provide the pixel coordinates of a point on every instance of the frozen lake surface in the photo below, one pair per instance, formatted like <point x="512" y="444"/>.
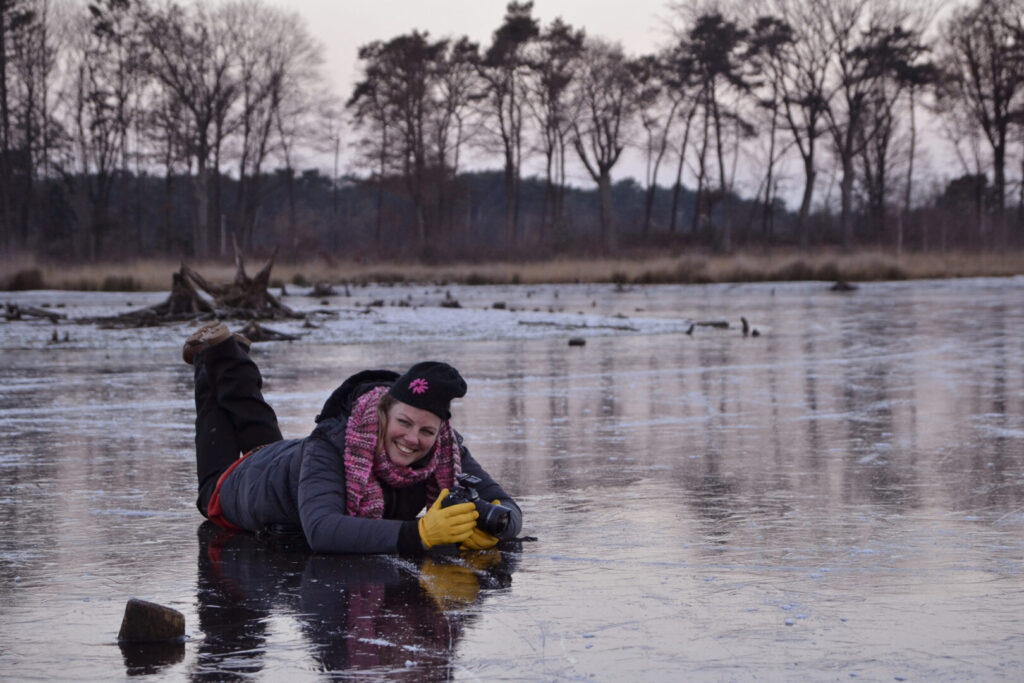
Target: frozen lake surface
<point x="840" y="497"/>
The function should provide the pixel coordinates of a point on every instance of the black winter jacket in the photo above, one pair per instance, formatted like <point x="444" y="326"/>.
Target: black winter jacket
<point x="301" y="483"/>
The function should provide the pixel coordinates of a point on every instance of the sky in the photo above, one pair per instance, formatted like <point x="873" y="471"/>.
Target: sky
<point x="342" y="26"/>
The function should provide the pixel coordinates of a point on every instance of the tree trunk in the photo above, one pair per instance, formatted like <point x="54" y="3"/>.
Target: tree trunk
<point x="292" y="215"/>
<point x="677" y="186"/>
<point x="218" y="221"/>
<point x="648" y="208"/>
<point x="560" y="185"/>
<point x="767" y="218"/>
<point x="609" y="238"/>
<point x="846" y="204"/>
<point x="999" y="189"/>
<point x="805" y="203"/>
<point x="700" y="200"/>
<point x="5" y="141"/>
<point x="652" y="185"/>
<point x="510" y="201"/>
<point x="202" y="229"/>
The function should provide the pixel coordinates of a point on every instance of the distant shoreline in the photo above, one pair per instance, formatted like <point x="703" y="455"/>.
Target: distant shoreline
<point x="642" y="268"/>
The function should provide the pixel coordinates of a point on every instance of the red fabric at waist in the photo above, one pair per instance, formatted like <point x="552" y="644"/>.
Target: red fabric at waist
<point x="214" y="512"/>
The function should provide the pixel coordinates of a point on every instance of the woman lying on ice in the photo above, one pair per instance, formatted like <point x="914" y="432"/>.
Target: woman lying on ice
<point x="382" y="450"/>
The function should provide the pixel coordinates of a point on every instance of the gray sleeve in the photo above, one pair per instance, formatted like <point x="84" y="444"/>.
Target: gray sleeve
<point x="489" y="490"/>
<point x="327" y="527"/>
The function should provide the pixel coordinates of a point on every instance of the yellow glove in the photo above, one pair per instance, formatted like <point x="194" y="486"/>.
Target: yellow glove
<point x="449" y="585"/>
<point x="452" y="524"/>
<point x="480" y="539"/>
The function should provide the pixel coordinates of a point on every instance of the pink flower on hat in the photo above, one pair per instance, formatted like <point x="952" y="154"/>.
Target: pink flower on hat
<point x="418" y="386"/>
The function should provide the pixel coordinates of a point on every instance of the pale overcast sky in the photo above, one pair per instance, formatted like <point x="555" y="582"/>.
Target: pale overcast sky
<point x="342" y="26"/>
<point x="641" y="26"/>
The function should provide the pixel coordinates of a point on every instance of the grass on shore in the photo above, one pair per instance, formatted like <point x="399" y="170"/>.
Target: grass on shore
<point x="762" y="266"/>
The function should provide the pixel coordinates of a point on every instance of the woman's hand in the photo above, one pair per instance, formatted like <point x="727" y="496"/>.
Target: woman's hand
<point x="480" y="539"/>
<point x="453" y="524"/>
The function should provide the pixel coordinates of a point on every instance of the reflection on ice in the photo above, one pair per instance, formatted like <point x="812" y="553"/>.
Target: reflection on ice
<point x="393" y="616"/>
<point x="841" y="496"/>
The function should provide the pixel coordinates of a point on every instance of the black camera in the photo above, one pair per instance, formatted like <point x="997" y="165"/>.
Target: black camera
<point x="493" y="519"/>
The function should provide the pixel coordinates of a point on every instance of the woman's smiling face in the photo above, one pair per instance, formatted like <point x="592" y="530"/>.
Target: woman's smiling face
<point x="411" y="433"/>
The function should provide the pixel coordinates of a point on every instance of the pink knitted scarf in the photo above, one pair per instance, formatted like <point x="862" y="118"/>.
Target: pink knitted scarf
<point x="364" y="469"/>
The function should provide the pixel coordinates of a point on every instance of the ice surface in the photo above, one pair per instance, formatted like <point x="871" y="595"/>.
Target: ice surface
<point x="840" y="497"/>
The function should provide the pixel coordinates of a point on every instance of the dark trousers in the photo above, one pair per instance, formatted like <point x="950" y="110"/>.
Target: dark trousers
<point x="232" y="417"/>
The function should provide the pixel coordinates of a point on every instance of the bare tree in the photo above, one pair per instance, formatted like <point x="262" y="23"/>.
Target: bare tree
<point x="104" y="91"/>
<point x="505" y="68"/>
<point x="716" y="44"/>
<point x="255" y="33"/>
<point x="554" y="61"/>
<point x="296" y="99"/>
<point x="800" y="67"/>
<point x="396" y="95"/>
<point x="191" y="59"/>
<point x="680" y="81"/>
<point x="17" y="17"/>
<point x="29" y="59"/>
<point x="606" y="95"/>
<point x="894" y="54"/>
<point x="770" y="41"/>
<point x="457" y="88"/>
<point x="34" y="58"/>
<point x="371" y="108"/>
<point x="852" y="25"/>
<point x="658" y="110"/>
<point x="984" y="64"/>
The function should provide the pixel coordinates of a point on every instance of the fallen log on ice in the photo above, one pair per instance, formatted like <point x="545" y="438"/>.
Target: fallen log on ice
<point x="255" y="332"/>
<point x="22" y="311"/>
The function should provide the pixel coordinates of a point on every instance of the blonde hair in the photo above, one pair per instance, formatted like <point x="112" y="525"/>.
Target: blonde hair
<point x="384" y="404"/>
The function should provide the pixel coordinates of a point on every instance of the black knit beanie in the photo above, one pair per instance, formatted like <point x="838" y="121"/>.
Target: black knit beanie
<point x="430" y="385"/>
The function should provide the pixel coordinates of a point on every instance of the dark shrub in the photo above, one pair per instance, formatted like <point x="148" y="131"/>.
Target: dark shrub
<point x="119" y="283"/>
<point x="30" y="278"/>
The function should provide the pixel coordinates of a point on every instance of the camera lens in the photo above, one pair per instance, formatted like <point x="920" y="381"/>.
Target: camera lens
<point x="493" y="518"/>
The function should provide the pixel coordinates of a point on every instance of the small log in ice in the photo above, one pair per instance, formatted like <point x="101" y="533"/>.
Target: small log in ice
<point x="148" y="622"/>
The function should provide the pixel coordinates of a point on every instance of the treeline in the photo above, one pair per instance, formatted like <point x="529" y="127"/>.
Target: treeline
<point x="96" y="97"/>
<point x="141" y="127"/>
<point x="341" y="217"/>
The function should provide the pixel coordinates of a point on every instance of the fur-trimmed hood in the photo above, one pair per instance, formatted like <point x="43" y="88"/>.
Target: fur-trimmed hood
<point x="339" y="403"/>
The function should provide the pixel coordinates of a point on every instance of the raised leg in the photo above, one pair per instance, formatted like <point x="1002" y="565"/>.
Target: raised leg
<point x="232" y="416"/>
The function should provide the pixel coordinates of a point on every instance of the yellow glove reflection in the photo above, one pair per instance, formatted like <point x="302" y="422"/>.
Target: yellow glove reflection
<point x="449" y="585"/>
<point x="483" y="561"/>
<point x="452" y="524"/>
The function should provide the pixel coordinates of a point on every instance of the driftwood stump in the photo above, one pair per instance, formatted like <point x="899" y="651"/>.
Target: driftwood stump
<point x="184" y="299"/>
<point x="245" y="298"/>
<point x="183" y="303"/>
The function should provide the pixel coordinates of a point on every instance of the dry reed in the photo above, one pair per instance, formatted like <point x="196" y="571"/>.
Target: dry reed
<point x="747" y="266"/>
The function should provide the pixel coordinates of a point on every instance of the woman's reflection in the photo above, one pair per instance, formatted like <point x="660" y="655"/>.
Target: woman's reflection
<point x="379" y="613"/>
